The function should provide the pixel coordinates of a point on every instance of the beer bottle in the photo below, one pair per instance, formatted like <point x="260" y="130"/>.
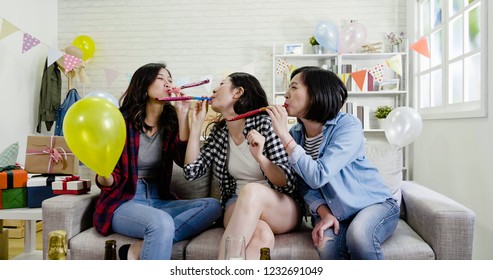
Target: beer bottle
<point x="265" y="253"/>
<point x="57" y="245"/>
<point x="110" y="250"/>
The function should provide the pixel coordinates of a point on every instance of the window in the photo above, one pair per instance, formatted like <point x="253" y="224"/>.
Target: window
<point x="451" y="83"/>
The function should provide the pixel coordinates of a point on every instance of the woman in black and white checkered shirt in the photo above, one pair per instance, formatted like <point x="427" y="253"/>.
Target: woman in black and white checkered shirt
<point x="258" y="189"/>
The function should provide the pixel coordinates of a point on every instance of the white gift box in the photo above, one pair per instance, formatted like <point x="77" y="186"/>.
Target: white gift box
<point x="71" y="185"/>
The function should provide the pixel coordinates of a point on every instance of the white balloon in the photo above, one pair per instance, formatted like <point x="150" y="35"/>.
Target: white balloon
<point x="105" y="95"/>
<point x="403" y="126"/>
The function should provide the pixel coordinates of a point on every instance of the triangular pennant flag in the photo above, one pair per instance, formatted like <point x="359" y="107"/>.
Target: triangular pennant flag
<point x="359" y="78"/>
<point x="395" y="63"/>
<point x="29" y="42"/>
<point x="343" y="77"/>
<point x="7" y="29"/>
<point x="110" y="75"/>
<point x="377" y="72"/>
<point x="70" y="61"/>
<point x="281" y="65"/>
<point x="53" y="55"/>
<point x="421" y="47"/>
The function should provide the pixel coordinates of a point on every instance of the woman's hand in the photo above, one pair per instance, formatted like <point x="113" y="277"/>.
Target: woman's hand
<point x="199" y="112"/>
<point x="325" y="223"/>
<point x="279" y="117"/>
<point x="255" y="143"/>
<point x="182" y="106"/>
<point x="105" y="181"/>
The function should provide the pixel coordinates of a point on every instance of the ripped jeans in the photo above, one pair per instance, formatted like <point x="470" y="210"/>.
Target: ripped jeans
<point x="361" y="237"/>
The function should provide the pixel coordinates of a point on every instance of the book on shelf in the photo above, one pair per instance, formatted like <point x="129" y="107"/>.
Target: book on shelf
<point x="359" y="111"/>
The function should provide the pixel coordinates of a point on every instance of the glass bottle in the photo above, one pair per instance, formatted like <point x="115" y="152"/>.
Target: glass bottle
<point x="265" y="253"/>
<point x="110" y="250"/>
<point x="57" y="245"/>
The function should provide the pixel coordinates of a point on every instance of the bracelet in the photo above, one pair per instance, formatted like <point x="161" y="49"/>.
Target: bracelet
<point x="287" y="145"/>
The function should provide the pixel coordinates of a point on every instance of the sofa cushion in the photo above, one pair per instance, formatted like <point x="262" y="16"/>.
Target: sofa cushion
<point x="89" y="245"/>
<point x="388" y="161"/>
<point x="406" y="244"/>
<point x="190" y="189"/>
<point x="294" y="245"/>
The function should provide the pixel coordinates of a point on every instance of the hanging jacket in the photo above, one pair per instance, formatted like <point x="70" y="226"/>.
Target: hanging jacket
<point x="50" y="96"/>
<point x="71" y="98"/>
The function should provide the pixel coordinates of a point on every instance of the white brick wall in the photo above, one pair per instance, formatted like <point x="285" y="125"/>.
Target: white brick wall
<point x="210" y="37"/>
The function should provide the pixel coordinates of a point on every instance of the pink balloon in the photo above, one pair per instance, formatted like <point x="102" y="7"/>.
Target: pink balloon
<point x="352" y="37"/>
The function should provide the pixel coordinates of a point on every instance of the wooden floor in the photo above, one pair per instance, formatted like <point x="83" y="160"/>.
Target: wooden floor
<point x="16" y="245"/>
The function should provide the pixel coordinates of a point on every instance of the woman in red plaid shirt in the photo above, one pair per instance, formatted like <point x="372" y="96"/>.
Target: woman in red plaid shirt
<point x="136" y="199"/>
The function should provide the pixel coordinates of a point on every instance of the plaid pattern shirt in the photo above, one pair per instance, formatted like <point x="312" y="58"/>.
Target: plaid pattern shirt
<point x="215" y="152"/>
<point x="125" y="176"/>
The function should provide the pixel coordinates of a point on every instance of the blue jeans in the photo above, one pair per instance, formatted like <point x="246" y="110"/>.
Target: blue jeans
<point x="162" y="222"/>
<point x="361" y="237"/>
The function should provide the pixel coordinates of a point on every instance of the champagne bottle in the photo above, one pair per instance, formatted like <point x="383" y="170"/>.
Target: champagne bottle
<point x="265" y="253"/>
<point x="57" y="245"/>
<point x="110" y="250"/>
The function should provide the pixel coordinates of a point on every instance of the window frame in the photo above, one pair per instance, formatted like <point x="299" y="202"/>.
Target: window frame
<point x="471" y="109"/>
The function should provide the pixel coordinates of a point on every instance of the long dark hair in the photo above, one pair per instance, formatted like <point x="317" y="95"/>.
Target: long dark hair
<point x="326" y="93"/>
<point x="134" y="101"/>
<point x="253" y="96"/>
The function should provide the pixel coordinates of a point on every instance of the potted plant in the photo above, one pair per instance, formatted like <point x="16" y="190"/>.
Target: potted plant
<point x="381" y="114"/>
<point x="317" y="49"/>
<point x="395" y="40"/>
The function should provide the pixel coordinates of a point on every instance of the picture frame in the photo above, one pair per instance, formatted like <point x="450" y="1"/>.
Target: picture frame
<point x="389" y="85"/>
<point x="293" y="49"/>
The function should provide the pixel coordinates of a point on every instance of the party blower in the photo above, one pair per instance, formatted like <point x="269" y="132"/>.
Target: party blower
<point x="180" y="98"/>
<point x="248" y="114"/>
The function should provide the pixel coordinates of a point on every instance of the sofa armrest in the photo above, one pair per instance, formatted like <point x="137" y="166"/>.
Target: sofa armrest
<point x="72" y="213"/>
<point x="446" y="225"/>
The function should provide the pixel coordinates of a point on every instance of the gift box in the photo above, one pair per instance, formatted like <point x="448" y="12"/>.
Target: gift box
<point x="13" y="198"/>
<point x="71" y="185"/>
<point x="39" y="189"/>
<point x="50" y="155"/>
<point x="13" y="177"/>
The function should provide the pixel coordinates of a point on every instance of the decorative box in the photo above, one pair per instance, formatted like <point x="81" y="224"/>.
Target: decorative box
<point x="50" y="155"/>
<point x="39" y="189"/>
<point x="13" y="198"/>
<point x="71" y="185"/>
<point x="13" y="178"/>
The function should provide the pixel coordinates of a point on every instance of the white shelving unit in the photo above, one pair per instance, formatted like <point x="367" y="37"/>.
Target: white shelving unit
<point x="366" y="97"/>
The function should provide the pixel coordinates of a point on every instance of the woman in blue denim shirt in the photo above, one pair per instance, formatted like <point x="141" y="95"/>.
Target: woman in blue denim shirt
<point x="353" y="209"/>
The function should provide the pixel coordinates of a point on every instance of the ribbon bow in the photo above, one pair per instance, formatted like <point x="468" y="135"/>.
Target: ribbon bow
<point x="71" y="178"/>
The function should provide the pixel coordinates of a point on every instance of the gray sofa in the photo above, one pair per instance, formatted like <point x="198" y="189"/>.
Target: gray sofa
<point x="432" y="226"/>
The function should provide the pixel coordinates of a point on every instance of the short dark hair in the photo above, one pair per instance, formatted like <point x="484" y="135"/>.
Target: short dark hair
<point x="326" y="93"/>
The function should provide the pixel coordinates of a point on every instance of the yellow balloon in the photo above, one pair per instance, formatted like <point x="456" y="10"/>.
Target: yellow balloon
<point x="86" y="45"/>
<point x="95" y="131"/>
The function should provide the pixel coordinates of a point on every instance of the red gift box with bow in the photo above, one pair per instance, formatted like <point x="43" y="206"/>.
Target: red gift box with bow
<point x="71" y="185"/>
<point x="50" y="155"/>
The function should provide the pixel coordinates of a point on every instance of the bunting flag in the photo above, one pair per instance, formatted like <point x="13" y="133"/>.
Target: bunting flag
<point x="281" y="66"/>
<point x="110" y="75"/>
<point x="344" y="77"/>
<point x="70" y="61"/>
<point x="359" y="78"/>
<point x="53" y="55"/>
<point x="7" y="29"/>
<point x="421" y="47"/>
<point x="377" y="72"/>
<point x="395" y="63"/>
<point x="29" y="42"/>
